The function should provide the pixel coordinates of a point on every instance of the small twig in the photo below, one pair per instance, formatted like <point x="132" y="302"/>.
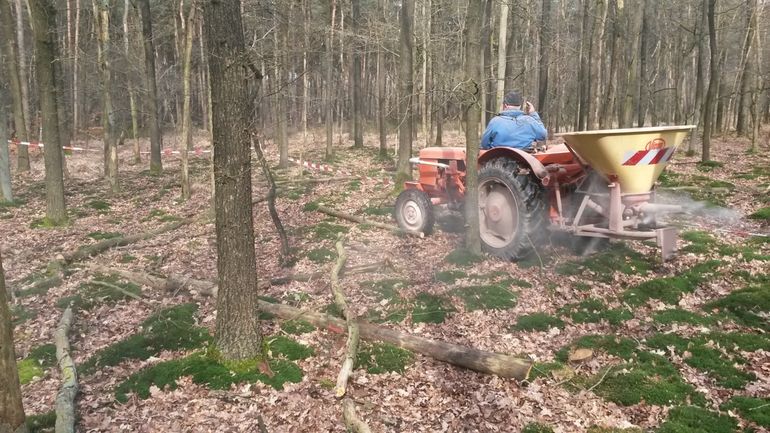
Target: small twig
<point x="760" y="406"/>
<point x="600" y="379"/>
<point x="119" y="289"/>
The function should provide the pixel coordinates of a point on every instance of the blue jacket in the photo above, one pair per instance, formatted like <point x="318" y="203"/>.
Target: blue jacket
<point x="513" y="128"/>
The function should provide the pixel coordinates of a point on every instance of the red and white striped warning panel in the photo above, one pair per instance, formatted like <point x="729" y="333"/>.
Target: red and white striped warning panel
<point x="648" y="157"/>
<point x="329" y="169"/>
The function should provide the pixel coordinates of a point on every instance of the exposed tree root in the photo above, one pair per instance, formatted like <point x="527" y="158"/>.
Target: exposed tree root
<point x="65" y="398"/>
<point x="271" y="193"/>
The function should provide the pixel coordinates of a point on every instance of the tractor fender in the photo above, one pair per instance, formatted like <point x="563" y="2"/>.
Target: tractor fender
<point x="518" y="155"/>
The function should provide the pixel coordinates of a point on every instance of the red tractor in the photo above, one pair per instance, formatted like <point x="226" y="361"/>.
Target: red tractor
<point x="599" y="184"/>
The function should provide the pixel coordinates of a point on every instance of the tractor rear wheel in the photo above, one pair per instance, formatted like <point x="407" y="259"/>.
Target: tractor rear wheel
<point x="511" y="210"/>
<point x="414" y="211"/>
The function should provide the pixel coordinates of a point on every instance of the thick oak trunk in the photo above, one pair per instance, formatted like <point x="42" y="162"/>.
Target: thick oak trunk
<point x="237" y="335"/>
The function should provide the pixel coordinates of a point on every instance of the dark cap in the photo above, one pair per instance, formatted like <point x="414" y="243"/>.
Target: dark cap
<point x="512" y="98"/>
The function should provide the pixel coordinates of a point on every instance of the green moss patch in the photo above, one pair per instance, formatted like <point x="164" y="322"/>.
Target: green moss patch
<point x="536" y="427"/>
<point x="670" y="289"/>
<point x="594" y="311"/>
<point x="692" y="419"/>
<point x="488" y="297"/>
<point x="91" y="294"/>
<point x="463" y="257"/>
<point x="44" y="422"/>
<point x="161" y="215"/>
<point x="707" y="166"/>
<point x="449" y="277"/>
<point x="209" y="370"/>
<point x="643" y="376"/>
<point x="20" y="314"/>
<point x="676" y="315"/>
<point x="100" y="236"/>
<point x="428" y="308"/>
<point x="379" y="211"/>
<point x="749" y="306"/>
<point x="704" y="354"/>
<point x="618" y="257"/>
<point x="297" y="327"/>
<point x="761" y="214"/>
<point x="170" y="329"/>
<point x="385" y="289"/>
<point x="327" y="230"/>
<point x="380" y="358"/>
<point x="288" y="348"/>
<point x="699" y="242"/>
<point x="756" y="410"/>
<point x="599" y="429"/>
<point x="321" y="255"/>
<point x="537" y="322"/>
<point x="36" y="362"/>
<point x="100" y="205"/>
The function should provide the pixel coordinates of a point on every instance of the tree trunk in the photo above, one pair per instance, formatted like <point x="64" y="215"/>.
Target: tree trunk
<point x="605" y="108"/>
<point x="543" y="61"/>
<point x="108" y="117"/>
<point x="700" y="30"/>
<point x="472" y="111"/>
<point x="641" y="109"/>
<point x="381" y="126"/>
<point x="708" y="112"/>
<point x="746" y="95"/>
<point x="130" y="84"/>
<point x="501" y="54"/>
<point x="12" y="419"/>
<point x="11" y="53"/>
<point x="152" y="102"/>
<point x="238" y="335"/>
<point x="358" y="131"/>
<point x="186" y="120"/>
<point x="281" y="66"/>
<point x="24" y="68"/>
<point x="328" y="88"/>
<point x="44" y="24"/>
<point x="406" y="88"/>
<point x="6" y="192"/>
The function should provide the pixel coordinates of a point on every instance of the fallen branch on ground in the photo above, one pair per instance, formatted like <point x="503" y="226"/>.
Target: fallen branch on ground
<point x="361" y="220"/>
<point x="352" y="421"/>
<point x="119" y="289"/>
<point x="65" y="398"/>
<point x="482" y="361"/>
<point x="57" y="266"/>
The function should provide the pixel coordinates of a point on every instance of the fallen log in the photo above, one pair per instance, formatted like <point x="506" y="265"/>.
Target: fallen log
<point x="499" y="364"/>
<point x="65" y="398"/>
<point x="362" y="220"/>
<point x="174" y="283"/>
<point x="474" y="359"/>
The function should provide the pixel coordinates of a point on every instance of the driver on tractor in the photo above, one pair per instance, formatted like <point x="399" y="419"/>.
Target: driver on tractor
<point x="513" y="127"/>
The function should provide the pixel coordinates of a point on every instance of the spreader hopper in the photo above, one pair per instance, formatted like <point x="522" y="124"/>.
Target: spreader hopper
<point x="633" y="157"/>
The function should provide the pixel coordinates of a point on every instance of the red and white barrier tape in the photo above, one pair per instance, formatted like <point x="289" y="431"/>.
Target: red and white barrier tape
<point x="329" y="169"/>
<point x="168" y="152"/>
<point x="197" y="152"/>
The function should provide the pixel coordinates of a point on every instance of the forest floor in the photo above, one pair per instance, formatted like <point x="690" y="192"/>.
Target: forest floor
<point x="620" y="340"/>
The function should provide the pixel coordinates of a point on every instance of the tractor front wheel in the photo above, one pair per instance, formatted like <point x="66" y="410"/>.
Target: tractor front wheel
<point x="511" y="210"/>
<point x="414" y="211"/>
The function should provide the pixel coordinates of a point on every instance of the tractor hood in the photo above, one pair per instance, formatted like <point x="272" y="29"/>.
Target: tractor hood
<point x="633" y="157"/>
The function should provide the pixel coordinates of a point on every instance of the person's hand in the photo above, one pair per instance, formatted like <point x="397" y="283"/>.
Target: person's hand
<point x="529" y="108"/>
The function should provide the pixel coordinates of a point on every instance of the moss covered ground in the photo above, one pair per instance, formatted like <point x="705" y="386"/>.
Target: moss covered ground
<point x="377" y="358"/>
<point x="37" y="361"/>
<point x="92" y="293"/>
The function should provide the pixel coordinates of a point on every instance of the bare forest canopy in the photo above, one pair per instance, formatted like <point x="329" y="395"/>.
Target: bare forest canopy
<point x="585" y="64"/>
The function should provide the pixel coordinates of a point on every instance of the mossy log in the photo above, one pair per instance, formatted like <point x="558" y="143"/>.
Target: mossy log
<point x="65" y="398"/>
<point x="361" y="220"/>
<point x="499" y="364"/>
